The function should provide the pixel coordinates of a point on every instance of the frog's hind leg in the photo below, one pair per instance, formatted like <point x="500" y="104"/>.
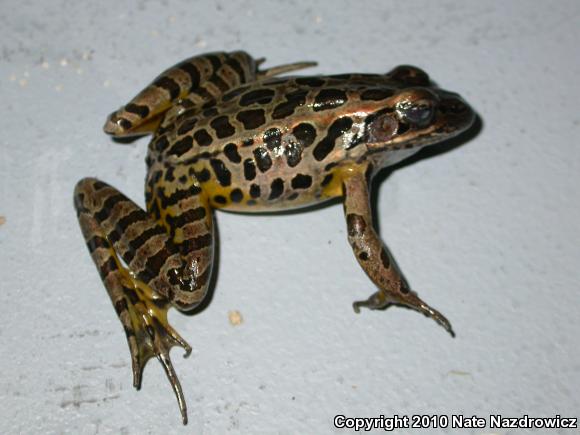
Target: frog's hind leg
<point x="145" y="111"/>
<point x="375" y="259"/>
<point x="127" y="245"/>
<point x="197" y="80"/>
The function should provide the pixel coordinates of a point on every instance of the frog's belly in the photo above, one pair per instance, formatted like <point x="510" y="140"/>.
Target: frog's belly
<point x="277" y="189"/>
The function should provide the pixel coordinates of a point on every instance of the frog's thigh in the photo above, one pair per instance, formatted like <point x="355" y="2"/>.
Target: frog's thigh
<point x="115" y="228"/>
<point x="183" y="210"/>
<point x="374" y="258"/>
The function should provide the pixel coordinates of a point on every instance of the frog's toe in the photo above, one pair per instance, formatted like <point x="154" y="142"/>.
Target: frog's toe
<point x="382" y="299"/>
<point x="437" y="316"/>
<point x="413" y="301"/>
<point x="374" y="302"/>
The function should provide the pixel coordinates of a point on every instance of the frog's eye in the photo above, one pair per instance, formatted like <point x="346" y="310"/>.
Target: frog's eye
<point x="417" y="113"/>
<point x="383" y="128"/>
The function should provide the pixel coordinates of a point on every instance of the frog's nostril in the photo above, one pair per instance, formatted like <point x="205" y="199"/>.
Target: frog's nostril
<point x="453" y="105"/>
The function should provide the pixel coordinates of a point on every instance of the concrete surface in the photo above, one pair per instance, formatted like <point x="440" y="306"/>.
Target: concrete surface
<point x="488" y="232"/>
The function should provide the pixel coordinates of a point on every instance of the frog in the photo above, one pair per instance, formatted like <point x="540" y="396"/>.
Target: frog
<point x="229" y="135"/>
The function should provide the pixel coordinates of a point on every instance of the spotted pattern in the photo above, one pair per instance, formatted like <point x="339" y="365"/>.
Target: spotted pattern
<point x="301" y="181"/>
<point x="231" y="152"/>
<point x="326" y="145"/>
<point x="327" y="179"/>
<point x="202" y="137"/>
<point x="259" y="96"/>
<point x="355" y="224"/>
<point x="272" y="138"/>
<point x="293" y="100"/>
<point x="385" y="259"/>
<point x="376" y="94"/>
<point x="255" y="191"/>
<point x="203" y="175"/>
<point x="222" y="127"/>
<point x="263" y="159"/>
<point x="251" y="119"/>
<point x="220" y="199"/>
<point x="223" y="175"/>
<point x="249" y="169"/>
<point x="329" y="99"/>
<point x="236" y="195"/>
<point x="293" y="153"/>
<point x="305" y="133"/>
<point x="276" y="188"/>
<point x="181" y="146"/>
<point x="186" y="126"/>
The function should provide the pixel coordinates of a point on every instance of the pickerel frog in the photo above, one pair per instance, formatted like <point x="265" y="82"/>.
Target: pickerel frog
<point x="229" y="135"/>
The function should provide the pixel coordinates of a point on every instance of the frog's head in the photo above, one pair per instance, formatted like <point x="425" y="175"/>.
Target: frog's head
<point x="418" y="114"/>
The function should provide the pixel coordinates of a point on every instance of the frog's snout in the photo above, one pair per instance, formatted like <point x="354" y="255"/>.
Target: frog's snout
<point x="456" y="111"/>
<point x="453" y="103"/>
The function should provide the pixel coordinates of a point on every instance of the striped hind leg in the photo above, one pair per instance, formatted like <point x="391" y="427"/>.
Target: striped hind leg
<point x="189" y="85"/>
<point x="200" y="78"/>
<point x="143" y="271"/>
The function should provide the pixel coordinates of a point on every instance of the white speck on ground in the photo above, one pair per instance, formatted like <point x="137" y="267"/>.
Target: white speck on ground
<point x="235" y="318"/>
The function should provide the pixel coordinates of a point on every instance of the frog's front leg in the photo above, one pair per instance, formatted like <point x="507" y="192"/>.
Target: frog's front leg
<point x="146" y="268"/>
<point x="374" y="258"/>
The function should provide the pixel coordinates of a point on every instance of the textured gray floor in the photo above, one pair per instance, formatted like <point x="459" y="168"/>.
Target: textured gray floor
<point x="488" y="232"/>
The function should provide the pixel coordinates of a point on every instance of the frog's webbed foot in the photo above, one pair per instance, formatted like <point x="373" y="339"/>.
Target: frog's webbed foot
<point x="380" y="300"/>
<point x="150" y="335"/>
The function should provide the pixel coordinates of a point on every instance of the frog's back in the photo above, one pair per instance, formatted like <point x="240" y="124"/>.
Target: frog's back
<point x="275" y="143"/>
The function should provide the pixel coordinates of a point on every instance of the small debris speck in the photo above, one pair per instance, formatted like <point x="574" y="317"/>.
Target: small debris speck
<point x="45" y="65"/>
<point x="318" y="19"/>
<point x="64" y="61"/>
<point x="58" y="88"/>
<point x="22" y="82"/>
<point x="2" y="220"/>
<point x="106" y="83"/>
<point x="199" y="42"/>
<point x="235" y="318"/>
